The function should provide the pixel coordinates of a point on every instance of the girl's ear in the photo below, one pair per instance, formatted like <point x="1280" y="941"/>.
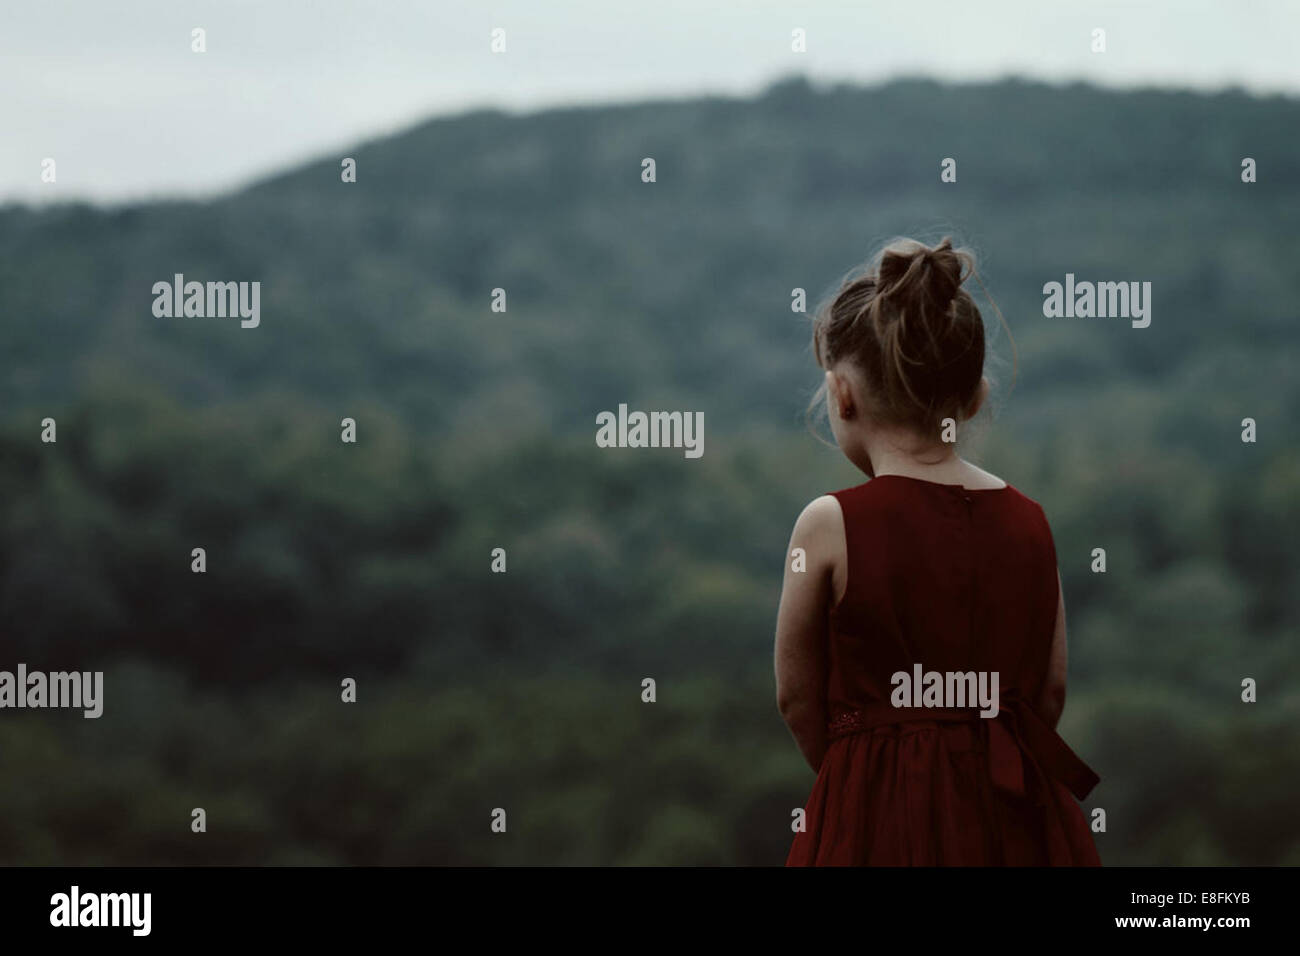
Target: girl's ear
<point x="839" y="394"/>
<point x="981" y="395"/>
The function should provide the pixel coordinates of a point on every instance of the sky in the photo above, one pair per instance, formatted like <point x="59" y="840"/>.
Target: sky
<point x="114" y="94"/>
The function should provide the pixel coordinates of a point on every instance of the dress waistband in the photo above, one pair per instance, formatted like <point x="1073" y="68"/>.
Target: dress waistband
<point x="1017" y="737"/>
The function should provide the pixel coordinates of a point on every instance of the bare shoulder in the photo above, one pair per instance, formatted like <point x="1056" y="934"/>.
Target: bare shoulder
<point x="819" y="530"/>
<point x="979" y="478"/>
<point x="821" y="518"/>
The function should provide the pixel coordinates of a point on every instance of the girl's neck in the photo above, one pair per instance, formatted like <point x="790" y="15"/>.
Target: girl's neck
<point x="927" y="468"/>
<point x="896" y="455"/>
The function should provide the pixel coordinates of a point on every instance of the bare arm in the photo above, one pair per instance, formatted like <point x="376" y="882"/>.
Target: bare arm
<point x="1052" y="700"/>
<point x="806" y="599"/>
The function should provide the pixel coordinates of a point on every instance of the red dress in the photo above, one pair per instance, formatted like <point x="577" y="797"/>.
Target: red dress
<point x="953" y="579"/>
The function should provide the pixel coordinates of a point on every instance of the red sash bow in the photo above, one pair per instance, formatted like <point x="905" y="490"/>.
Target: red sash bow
<point x="1017" y="737"/>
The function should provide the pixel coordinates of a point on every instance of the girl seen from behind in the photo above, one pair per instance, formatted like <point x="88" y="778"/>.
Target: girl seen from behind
<point x="931" y="568"/>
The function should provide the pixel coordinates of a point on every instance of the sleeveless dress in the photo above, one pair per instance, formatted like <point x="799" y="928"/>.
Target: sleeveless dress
<point x="954" y="580"/>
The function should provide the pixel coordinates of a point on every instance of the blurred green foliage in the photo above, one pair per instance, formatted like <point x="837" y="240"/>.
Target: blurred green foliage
<point x="476" y="431"/>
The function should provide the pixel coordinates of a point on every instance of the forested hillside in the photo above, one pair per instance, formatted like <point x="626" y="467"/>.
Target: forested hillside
<point x="476" y="431"/>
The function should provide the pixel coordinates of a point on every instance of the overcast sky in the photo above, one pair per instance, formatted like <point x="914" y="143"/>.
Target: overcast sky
<point x="112" y="92"/>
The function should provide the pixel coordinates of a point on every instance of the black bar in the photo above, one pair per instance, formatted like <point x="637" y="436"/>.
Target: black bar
<point x="329" y="905"/>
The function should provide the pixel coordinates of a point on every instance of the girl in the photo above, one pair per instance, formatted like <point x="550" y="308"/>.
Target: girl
<point x="933" y="565"/>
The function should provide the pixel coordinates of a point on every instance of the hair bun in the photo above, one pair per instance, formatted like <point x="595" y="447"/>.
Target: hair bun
<point x="921" y="272"/>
